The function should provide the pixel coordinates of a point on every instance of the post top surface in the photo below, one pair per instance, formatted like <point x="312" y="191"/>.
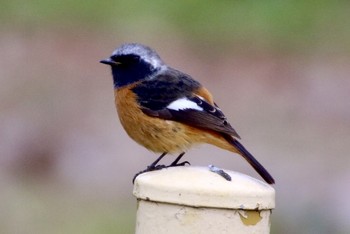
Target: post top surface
<point x="200" y="187"/>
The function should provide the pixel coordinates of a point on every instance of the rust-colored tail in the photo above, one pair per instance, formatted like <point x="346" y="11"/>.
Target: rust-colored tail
<point x="250" y="158"/>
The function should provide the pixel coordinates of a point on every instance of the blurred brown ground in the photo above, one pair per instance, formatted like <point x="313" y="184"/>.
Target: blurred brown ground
<point x="66" y="164"/>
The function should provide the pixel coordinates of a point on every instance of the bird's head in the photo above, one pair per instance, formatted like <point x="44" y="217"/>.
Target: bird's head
<point x="133" y="62"/>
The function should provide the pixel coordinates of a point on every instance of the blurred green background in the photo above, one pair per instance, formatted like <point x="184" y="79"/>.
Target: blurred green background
<point x="280" y="70"/>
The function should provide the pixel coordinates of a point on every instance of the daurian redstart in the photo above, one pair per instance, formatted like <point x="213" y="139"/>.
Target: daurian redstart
<point x="166" y="110"/>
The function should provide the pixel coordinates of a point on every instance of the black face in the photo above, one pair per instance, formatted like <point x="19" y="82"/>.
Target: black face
<point x="127" y="69"/>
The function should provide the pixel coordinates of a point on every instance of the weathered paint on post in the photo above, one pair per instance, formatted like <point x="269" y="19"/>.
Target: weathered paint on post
<point x="196" y="200"/>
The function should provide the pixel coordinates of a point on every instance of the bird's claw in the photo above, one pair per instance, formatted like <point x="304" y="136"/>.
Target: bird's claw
<point x="149" y="168"/>
<point x="180" y="164"/>
<point x="159" y="167"/>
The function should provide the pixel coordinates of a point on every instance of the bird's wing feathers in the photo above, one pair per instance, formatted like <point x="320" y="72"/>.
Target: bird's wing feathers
<point x="172" y="98"/>
<point x="158" y="92"/>
<point x="204" y="115"/>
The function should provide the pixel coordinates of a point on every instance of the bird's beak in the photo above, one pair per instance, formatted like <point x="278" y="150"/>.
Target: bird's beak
<point x="109" y="62"/>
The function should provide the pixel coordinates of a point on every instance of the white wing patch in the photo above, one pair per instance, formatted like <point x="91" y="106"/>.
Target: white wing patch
<point x="183" y="104"/>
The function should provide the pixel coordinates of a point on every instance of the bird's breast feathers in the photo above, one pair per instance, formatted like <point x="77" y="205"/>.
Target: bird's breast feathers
<point x="175" y="128"/>
<point x="156" y="134"/>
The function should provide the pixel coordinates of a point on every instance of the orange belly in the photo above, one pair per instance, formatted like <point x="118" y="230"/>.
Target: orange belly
<point x="160" y="135"/>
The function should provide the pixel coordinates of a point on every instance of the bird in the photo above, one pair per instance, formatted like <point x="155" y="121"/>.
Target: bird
<point x="166" y="110"/>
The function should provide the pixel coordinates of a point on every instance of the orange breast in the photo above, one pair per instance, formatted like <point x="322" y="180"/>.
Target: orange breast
<point x="160" y="135"/>
<point x="155" y="134"/>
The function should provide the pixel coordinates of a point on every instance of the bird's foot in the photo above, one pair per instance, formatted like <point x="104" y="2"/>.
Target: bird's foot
<point x="149" y="168"/>
<point x="176" y="164"/>
<point x="159" y="167"/>
<point x="155" y="167"/>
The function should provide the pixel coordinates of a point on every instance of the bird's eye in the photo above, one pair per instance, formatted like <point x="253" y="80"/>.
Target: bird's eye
<point x="127" y="59"/>
<point x="133" y="58"/>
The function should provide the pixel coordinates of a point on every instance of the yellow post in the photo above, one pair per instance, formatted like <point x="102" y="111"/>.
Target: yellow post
<point x="196" y="200"/>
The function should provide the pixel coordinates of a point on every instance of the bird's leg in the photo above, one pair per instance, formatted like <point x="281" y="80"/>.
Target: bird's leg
<point x="176" y="161"/>
<point x="154" y="164"/>
<point x="152" y="167"/>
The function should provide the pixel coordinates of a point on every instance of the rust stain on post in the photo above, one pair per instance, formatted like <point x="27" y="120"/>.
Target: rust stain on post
<point x="250" y="217"/>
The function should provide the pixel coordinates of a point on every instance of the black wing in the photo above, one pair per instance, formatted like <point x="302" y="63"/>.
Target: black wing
<point x="155" y="95"/>
<point x="158" y="92"/>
